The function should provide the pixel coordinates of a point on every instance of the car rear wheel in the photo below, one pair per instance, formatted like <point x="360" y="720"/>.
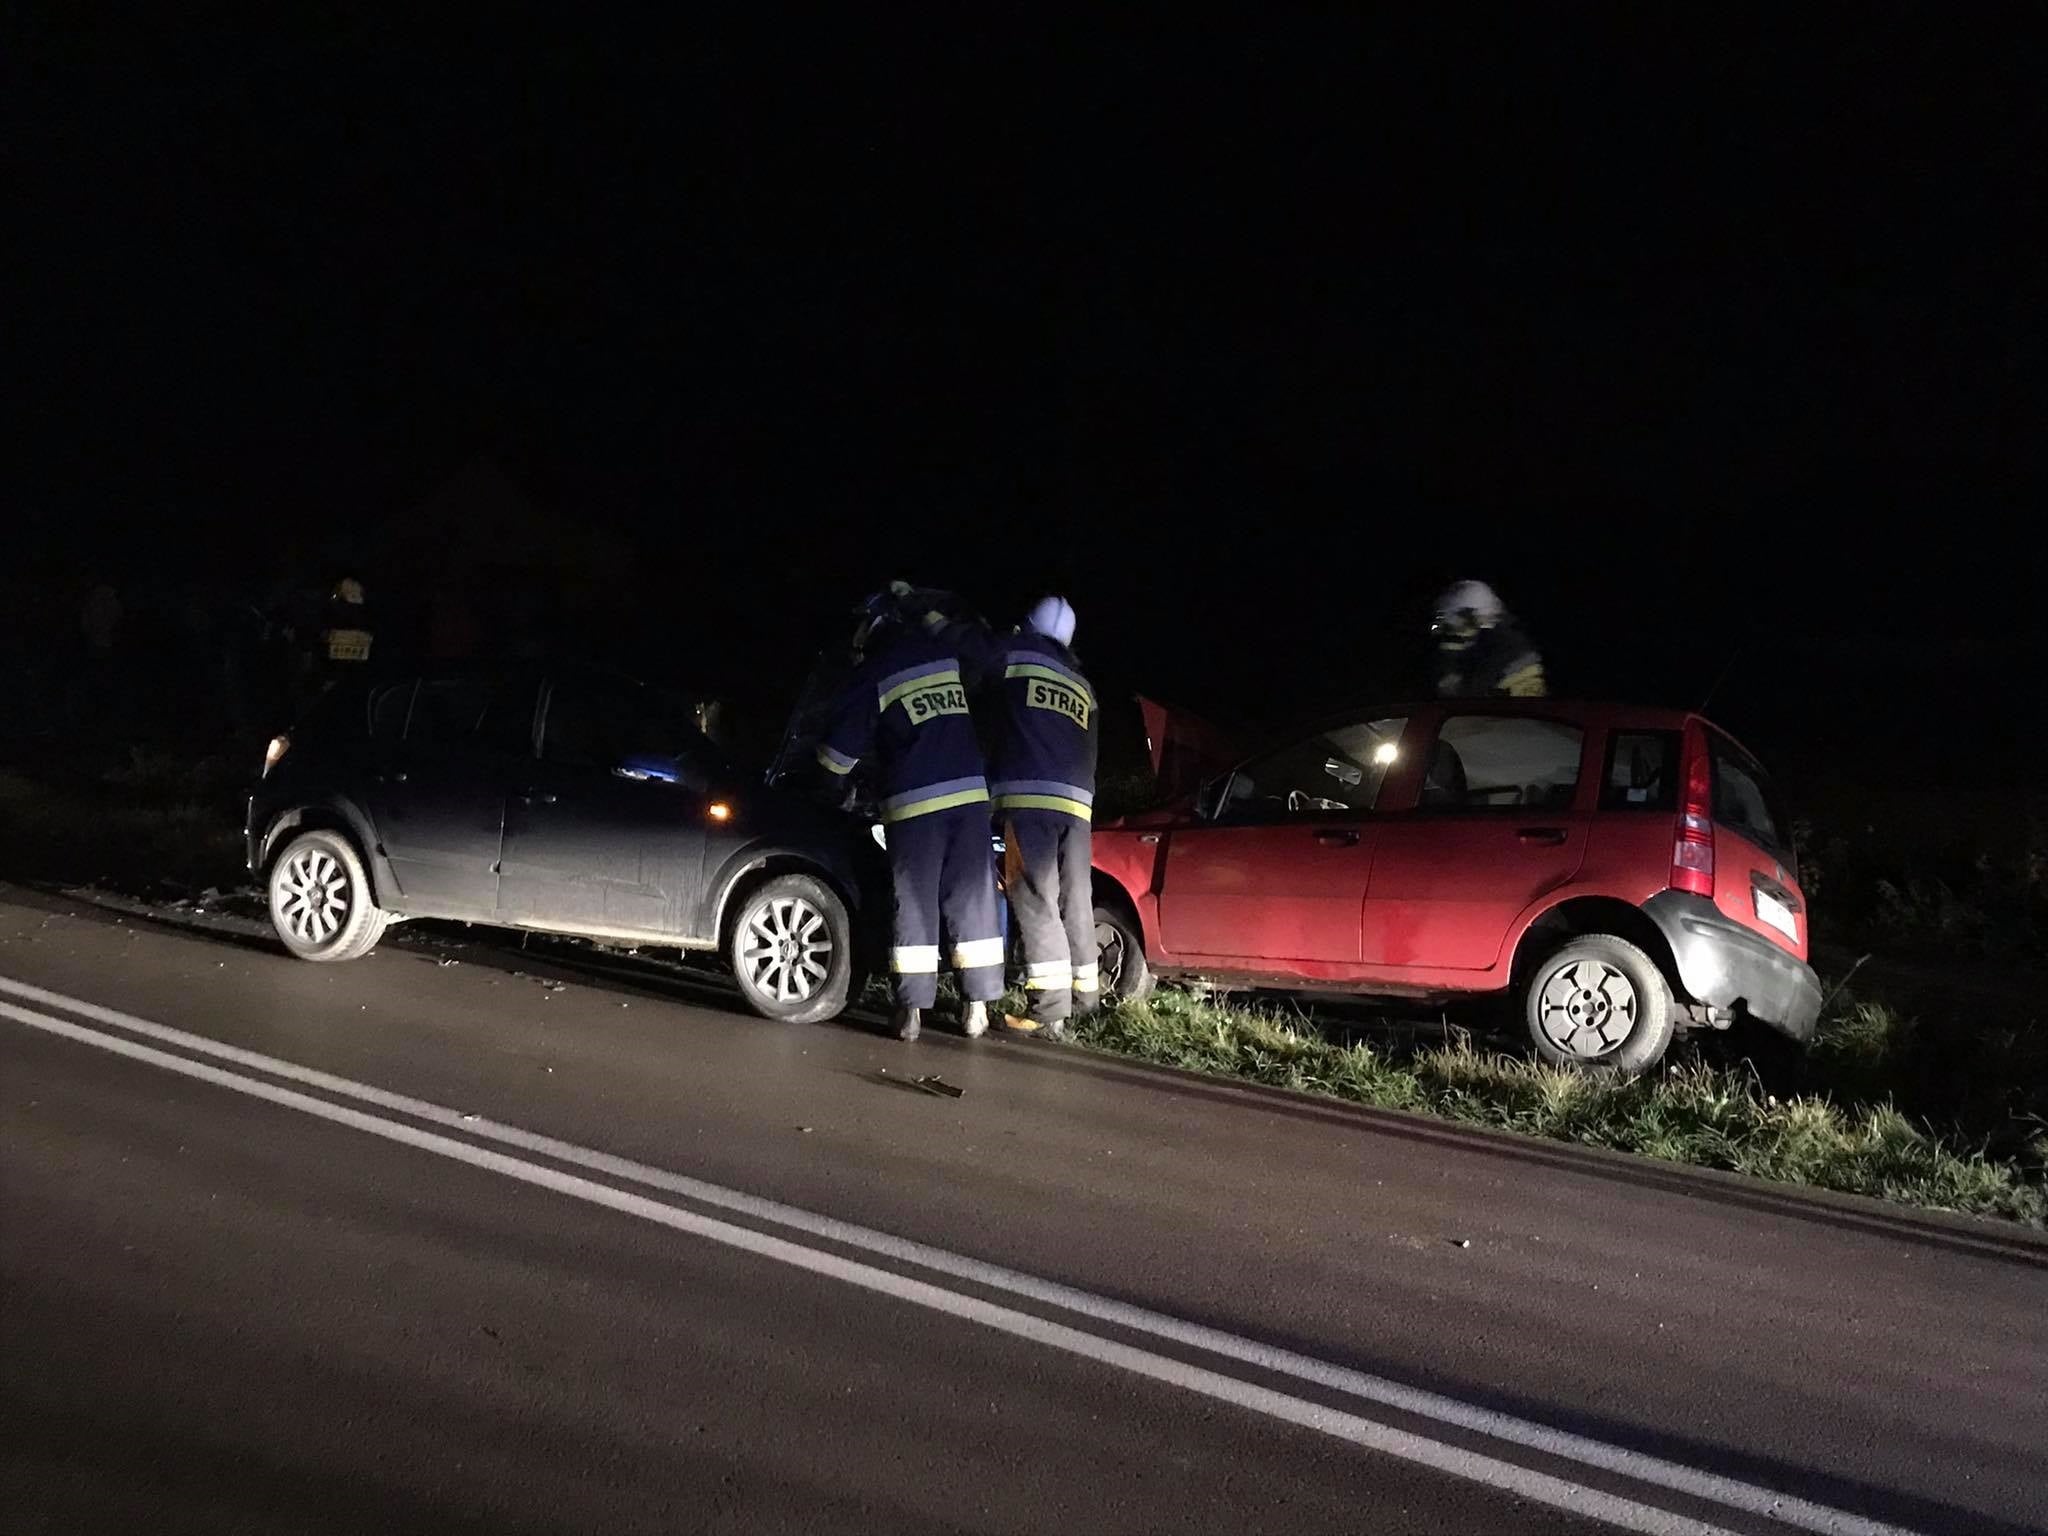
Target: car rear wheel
<point x="320" y="900"/>
<point x="791" y="949"/>
<point x="1599" y="1001"/>
<point x="1120" y="956"/>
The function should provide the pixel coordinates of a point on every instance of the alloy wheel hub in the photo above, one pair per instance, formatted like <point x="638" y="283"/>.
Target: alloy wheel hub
<point x="786" y="950"/>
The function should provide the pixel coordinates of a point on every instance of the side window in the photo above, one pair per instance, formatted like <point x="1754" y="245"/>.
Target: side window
<point x="1642" y="772"/>
<point x="446" y="711"/>
<point x="1337" y="772"/>
<point x="590" y="722"/>
<point x="1502" y="762"/>
<point x="507" y="723"/>
<point x="390" y="703"/>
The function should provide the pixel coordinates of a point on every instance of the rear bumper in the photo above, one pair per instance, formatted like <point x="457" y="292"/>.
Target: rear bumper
<point x="1723" y="964"/>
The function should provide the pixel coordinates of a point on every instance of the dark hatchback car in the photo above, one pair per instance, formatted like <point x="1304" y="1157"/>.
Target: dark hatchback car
<point x="563" y="800"/>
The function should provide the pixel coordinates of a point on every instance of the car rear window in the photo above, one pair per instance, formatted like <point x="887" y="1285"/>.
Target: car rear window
<point x="1642" y="772"/>
<point x="1743" y="800"/>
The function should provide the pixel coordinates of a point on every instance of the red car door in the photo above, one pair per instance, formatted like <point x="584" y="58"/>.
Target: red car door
<point x="1279" y="872"/>
<point x="1266" y="893"/>
<point x="1497" y="826"/>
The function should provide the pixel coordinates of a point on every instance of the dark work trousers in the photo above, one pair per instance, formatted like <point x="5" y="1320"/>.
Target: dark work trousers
<point x="1046" y="872"/>
<point x="942" y="867"/>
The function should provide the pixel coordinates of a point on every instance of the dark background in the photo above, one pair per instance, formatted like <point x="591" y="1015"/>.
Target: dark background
<point x="1716" y="345"/>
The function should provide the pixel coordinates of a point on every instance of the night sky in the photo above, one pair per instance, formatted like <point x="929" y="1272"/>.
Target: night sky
<point x="1714" y="344"/>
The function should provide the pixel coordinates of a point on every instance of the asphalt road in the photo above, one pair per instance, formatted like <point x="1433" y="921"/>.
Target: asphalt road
<point x="525" y="1246"/>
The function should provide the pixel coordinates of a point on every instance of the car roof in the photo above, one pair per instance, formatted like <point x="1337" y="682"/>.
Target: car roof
<point x="1593" y="713"/>
<point x="1588" y="711"/>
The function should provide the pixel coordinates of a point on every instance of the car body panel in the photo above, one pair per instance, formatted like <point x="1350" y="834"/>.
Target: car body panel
<point x="1293" y="892"/>
<point x="439" y="818"/>
<point x="587" y="849"/>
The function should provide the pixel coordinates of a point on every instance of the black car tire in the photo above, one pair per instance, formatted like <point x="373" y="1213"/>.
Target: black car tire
<point x="1599" y="1002"/>
<point x="775" y="915"/>
<point x="1120" y="957"/>
<point x="320" y="899"/>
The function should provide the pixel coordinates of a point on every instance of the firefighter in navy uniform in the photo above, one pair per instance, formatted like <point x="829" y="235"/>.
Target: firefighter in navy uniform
<point x="1046" y="732"/>
<point x="906" y="708"/>
<point x="1481" y="652"/>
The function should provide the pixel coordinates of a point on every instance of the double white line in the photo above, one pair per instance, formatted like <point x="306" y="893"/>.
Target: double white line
<point x="1728" y="1496"/>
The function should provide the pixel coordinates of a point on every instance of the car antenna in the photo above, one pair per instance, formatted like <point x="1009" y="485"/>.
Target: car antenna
<point x="1720" y="677"/>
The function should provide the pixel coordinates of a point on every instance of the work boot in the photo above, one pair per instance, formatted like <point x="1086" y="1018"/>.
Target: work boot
<point x="1013" y="1025"/>
<point x="974" y="1020"/>
<point x="907" y="1023"/>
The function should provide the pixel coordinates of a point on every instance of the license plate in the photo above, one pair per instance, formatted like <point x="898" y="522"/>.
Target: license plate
<point x="1778" y="915"/>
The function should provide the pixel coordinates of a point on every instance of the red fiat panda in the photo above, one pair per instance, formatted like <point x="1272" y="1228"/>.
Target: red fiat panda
<point x="1623" y="871"/>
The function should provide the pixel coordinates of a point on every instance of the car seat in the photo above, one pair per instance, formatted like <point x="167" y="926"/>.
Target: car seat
<point x="1443" y="781"/>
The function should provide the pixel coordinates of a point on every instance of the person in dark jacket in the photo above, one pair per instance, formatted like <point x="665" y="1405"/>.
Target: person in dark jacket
<point x="1481" y="652"/>
<point x="1045" y="731"/>
<point x="905" y="710"/>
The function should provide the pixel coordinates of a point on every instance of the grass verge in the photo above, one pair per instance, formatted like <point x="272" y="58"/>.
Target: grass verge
<point x="1686" y="1112"/>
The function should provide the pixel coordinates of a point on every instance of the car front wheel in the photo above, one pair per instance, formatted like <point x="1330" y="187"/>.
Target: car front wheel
<point x="320" y="900"/>
<point x="791" y="949"/>
<point x="1599" y="1001"/>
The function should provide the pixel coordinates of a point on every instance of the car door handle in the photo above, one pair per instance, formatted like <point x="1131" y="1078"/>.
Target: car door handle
<point x="537" y="796"/>
<point x="1335" y="838"/>
<point x="1148" y="838"/>
<point x="1553" y="836"/>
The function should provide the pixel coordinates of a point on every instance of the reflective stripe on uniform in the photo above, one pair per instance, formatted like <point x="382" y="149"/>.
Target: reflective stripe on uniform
<point x="942" y="796"/>
<point x="1044" y="803"/>
<point x="917" y="678"/>
<point x="1031" y="664"/>
<point x="914" y="959"/>
<point x="1005" y="787"/>
<point x="936" y="803"/>
<point x="1525" y="682"/>
<point x="974" y="954"/>
<point x="836" y="761"/>
<point x="1087" y="978"/>
<point x="1048" y="976"/>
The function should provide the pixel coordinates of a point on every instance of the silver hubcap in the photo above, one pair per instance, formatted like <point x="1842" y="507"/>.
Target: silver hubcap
<point x="312" y="895"/>
<point x="786" y="949"/>
<point x="1587" y="1009"/>
<point x="1109" y="953"/>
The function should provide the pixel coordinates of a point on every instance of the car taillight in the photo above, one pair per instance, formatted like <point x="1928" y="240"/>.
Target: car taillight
<point x="1692" y="856"/>
<point x="274" y="753"/>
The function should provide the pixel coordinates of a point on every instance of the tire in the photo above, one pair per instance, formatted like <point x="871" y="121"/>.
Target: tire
<point x="1120" y="953"/>
<point x="320" y="899"/>
<point x="1598" y="1001"/>
<point x="791" y="950"/>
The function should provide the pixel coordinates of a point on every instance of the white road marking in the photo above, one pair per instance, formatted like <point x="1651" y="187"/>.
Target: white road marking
<point x="1730" y="1493"/>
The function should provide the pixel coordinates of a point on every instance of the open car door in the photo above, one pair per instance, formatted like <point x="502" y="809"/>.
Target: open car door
<point x="1186" y="750"/>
